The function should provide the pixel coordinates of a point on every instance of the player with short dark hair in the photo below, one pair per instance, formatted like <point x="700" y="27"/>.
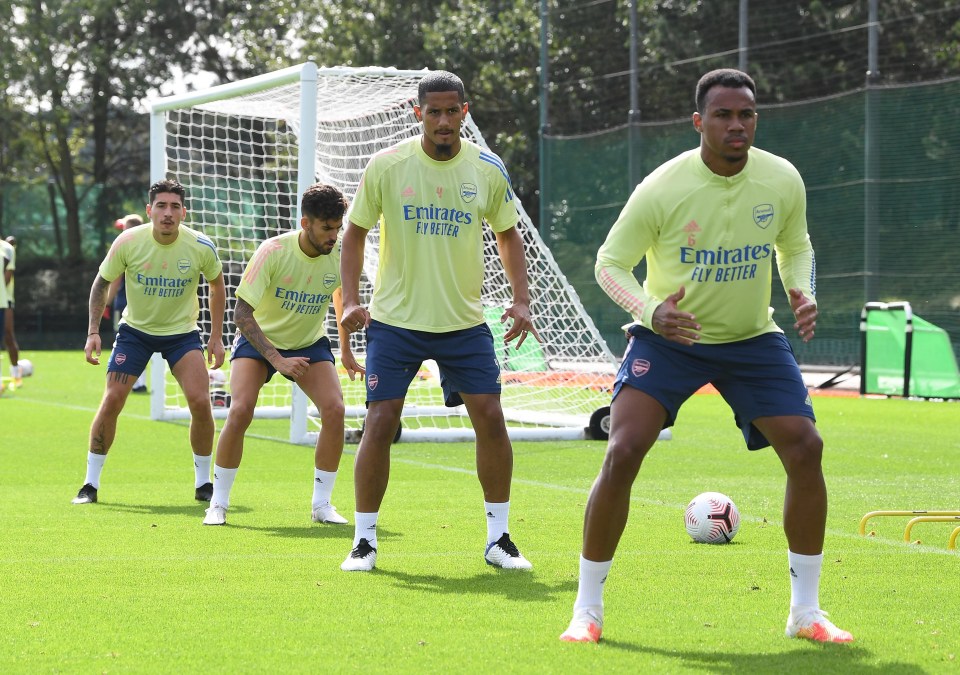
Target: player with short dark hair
<point x="162" y="265"/>
<point x="709" y="223"/>
<point x="282" y="300"/>
<point x="430" y="196"/>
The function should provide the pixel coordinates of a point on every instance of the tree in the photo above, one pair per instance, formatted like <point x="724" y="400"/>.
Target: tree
<point x="18" y="155"/>
<point x="492" y="45"/>
<point x="86" y="66"/>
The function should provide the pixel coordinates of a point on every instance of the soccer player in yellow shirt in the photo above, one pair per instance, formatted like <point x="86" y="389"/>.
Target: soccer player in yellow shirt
<point x="709" y="223"/>
<point x="282" y="300"/>
<point x="431" y="195"/>
<point x="162" y="265"/>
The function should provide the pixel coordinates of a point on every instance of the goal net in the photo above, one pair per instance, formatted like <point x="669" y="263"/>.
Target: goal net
<point x="245" y="151"/>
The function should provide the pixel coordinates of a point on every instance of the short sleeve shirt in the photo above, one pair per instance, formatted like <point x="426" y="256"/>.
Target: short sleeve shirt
<point x="161" y="279"/>
<point x="289" y="291"/>
<point x="431" y="214"/>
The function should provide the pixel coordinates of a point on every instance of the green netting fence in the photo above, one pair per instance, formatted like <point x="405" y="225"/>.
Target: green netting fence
<point x="908" y="249"/>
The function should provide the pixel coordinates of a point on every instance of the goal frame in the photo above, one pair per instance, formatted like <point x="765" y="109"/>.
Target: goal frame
<point x="557" y="426"/>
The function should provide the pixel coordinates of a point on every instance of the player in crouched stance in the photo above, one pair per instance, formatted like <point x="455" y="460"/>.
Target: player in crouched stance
<point x="162" y="265"/>
<point x="282" y="300"/>
<point x="709" y="222"/>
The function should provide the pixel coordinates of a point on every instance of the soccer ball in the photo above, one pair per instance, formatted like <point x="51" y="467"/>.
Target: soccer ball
<point x="218" y="378"/>
<point x="712" y="518"/>
<point x="26" y="367"/>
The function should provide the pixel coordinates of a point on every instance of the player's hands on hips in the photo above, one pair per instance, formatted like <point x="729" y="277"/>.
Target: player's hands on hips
<point x="522" y="325"/>
<point x="671" y="323"/>
<point x="215" y="353"/>
<point x="92" y="349"/>
<point x="806" y="312"/>
<point x="351" y="365"/>
<point x="354" y="318"/>
<point x="293" y="367"/>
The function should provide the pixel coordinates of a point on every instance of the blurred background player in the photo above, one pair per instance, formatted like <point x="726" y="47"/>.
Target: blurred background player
<point x="5" y="256"/>
<point x="117" y="296"/>
<point x="8" y="250"/>
<point x="282" y="300"/>
<point x="163" y="264"/>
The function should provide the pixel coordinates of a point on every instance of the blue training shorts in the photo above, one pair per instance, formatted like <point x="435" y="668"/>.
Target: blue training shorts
<point x="318" y="351"/>
<point x="466" y="359"/>
<point x="133" y="348"/>
<point x="758" y="377"/>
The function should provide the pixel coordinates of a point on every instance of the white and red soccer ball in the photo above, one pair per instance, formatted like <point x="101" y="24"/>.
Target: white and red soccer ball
<point x="712" y="518"/>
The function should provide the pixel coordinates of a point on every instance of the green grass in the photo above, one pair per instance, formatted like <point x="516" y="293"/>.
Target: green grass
<point x="136" y="584"/>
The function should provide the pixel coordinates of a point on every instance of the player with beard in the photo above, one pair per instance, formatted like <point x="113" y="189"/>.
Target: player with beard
<point x="282" y="301"/>
<point x="430" y="196"/>
<point x="162" y="265"/>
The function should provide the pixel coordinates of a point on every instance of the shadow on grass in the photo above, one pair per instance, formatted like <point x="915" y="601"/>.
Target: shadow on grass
<point x="194" y="509"/>
<point x="511" y="584"/>
<point x="806" y="657"/>
<point x="310" y="531"/>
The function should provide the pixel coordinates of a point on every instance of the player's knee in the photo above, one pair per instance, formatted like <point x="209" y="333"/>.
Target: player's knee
<point x="112" y="404"/>
<point x="622" y="461"/>
<point x="493" y="431"/>
<point x="241" y="412"/>
<point x="199" y="405"/>
<point x="332" y="413"/>
<point x="804" y="454"/>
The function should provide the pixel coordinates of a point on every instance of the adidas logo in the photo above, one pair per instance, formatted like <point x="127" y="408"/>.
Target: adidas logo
<point x="489" y="514"/>
<point x="792" y="573"/>
<point x="372" y="527"/>
<point x="319" y="480"/>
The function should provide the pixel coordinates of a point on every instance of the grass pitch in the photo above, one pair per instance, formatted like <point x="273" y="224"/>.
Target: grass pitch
<point x="136" y="584"/>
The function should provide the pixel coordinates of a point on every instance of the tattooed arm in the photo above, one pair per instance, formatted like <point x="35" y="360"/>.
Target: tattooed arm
<point x="292" y="367"/>
<point x="98" y="300"/>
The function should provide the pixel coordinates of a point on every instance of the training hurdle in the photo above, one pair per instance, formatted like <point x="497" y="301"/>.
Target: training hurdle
<point x="917" y="517"/>
<point x="927" y="519"/>
<point x="878" y="514"/>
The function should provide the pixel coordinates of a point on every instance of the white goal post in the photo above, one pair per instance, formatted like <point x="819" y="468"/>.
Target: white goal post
<point x="245" y="151"/>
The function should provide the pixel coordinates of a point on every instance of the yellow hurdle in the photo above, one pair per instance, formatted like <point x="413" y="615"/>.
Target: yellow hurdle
<point x="952" y="544"/>
<point x="927" y="519"/>
<point x="876" y="514"/>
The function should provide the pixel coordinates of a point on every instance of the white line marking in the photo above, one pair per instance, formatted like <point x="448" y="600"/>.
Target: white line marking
<point x="898" y="544"/>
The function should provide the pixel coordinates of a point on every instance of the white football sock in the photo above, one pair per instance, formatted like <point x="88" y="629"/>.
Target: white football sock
<point x="805" y="579"/>
<point x="94" y="469"/>
<point x="222" y="484"/>
<point x="201" y="467"/>
<point x="366" y="527"/>
<point x="593" y="575"/>
<point x="322" y="487"/>
<point x="498" y="519"/>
